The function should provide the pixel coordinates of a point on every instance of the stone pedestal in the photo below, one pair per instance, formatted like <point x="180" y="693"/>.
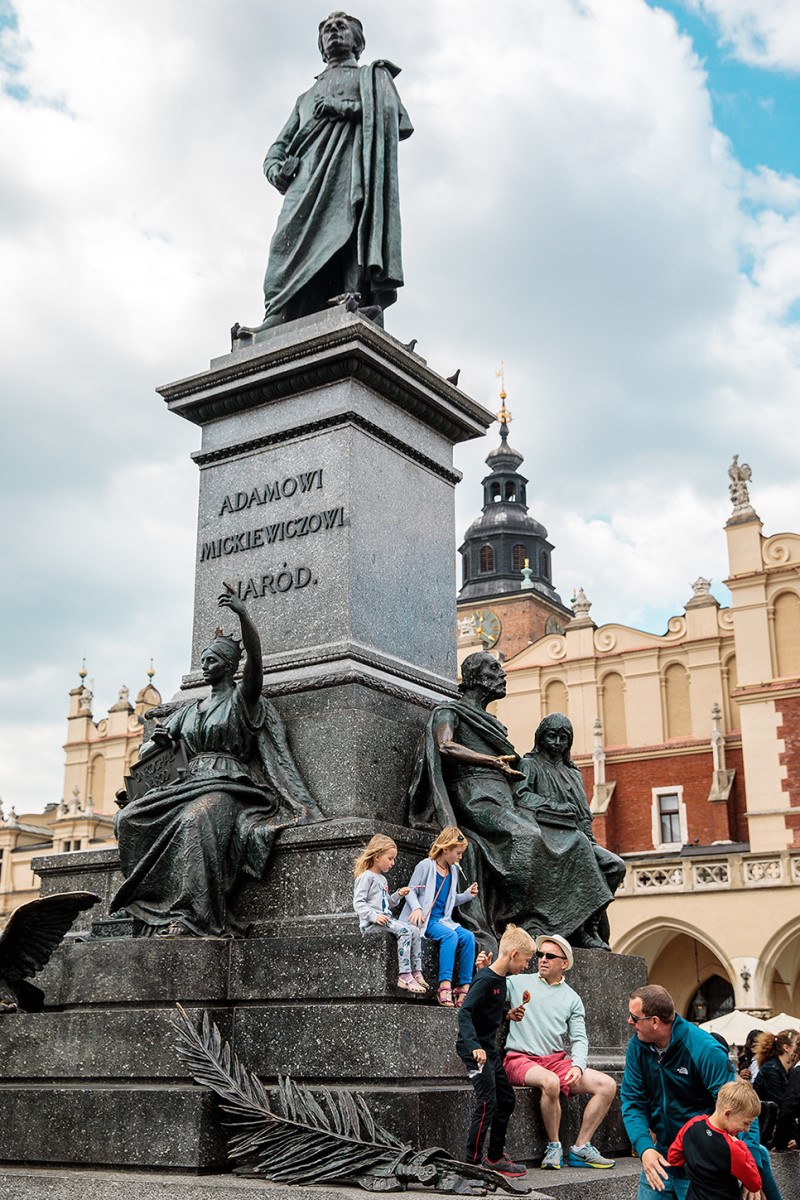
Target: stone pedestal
<point x="326" y="501"/>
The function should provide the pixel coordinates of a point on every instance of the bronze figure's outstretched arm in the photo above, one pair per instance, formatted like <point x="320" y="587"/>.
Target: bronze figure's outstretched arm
<point x="253" y="670"/>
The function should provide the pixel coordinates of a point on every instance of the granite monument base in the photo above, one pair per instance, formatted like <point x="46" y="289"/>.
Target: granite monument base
<point x="95" y="1079"/>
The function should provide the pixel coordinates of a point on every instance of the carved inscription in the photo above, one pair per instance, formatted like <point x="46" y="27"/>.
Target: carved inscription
<point x="304" y="481"/>
<point x="288" y="577"/>
<point x="267" y="535"/>
<point x="286" y="580"/>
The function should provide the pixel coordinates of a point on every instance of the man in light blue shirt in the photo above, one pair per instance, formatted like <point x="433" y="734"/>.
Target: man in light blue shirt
<point x="535" y="1055"/>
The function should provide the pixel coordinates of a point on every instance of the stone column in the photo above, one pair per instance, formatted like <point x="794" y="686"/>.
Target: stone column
<point x="326" y="501"/>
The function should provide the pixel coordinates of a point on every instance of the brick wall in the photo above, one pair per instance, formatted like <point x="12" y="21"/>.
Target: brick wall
<point x="627" y="825"/>
<point x="522" y="618"/>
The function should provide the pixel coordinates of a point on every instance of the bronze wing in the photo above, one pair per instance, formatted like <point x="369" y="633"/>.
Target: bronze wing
<point x="34" y="930"/>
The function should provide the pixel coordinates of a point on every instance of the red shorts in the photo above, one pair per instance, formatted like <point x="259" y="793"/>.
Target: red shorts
<point x="517" y="1066"/>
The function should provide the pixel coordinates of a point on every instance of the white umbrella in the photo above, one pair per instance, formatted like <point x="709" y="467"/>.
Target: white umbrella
<point x="735" y="1026"/>
<point x="781" y="1022"/>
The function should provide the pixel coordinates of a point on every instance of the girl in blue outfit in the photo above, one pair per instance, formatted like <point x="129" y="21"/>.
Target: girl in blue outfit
<point x="433" y="894"/>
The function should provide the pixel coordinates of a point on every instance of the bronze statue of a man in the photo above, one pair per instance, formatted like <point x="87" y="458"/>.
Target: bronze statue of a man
<point x="529" y="829"/>
<point x="335" y="161"/>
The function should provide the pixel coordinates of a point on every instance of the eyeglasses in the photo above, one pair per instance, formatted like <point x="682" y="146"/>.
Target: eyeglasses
<point x="547" y="956"/>
<point x="636" y="1020"/>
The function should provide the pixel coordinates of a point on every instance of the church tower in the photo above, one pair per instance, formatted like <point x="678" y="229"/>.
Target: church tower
<point x="507" y="588"/>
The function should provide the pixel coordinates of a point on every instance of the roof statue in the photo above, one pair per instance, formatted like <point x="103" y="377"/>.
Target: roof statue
<point x="740" y="475"/>
<point x="335" y="162"/>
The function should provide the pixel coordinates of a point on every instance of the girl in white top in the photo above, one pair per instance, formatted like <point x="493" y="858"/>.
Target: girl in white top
<point x="373" y="904"/>
<point x="433" y="894"/>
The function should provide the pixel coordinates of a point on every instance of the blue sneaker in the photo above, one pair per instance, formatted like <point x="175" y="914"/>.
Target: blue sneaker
<point x="553" y="1157"/>
<point x="588" y="1156"/>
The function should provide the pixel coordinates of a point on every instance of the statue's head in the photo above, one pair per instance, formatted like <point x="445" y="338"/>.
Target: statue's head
<point x="483" y="672"/>
<point x="220" y="658"/>
<point x="341" y="35"/>
<point x="554" y="737"/>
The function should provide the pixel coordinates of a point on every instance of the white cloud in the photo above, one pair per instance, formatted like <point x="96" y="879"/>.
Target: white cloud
<point x="568" y="206"/>
<point x="764" y="33"/>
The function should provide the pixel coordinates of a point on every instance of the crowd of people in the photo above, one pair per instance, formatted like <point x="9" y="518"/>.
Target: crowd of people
<point x="768" y="1060"/>
<point x="692" y="1120"/>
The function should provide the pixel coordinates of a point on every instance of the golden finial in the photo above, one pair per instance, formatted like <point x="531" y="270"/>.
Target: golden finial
<point x="83" y="672"/>
<point x="504" y="416"/>
<point x="151" y="671"/>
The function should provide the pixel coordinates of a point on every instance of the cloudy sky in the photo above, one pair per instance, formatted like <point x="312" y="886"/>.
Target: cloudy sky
<point x="602" y="194"/>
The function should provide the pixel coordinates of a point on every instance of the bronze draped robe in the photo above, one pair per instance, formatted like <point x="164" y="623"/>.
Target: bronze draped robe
<point x="541" y="876"/>
<point x="183" y="846"/>
<point x="344" y="198"/>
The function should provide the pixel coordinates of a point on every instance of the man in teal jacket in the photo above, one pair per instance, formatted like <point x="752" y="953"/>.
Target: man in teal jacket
<point x="673" y="1071"/>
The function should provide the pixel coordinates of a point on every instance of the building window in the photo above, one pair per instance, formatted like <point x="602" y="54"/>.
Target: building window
<point x="518" y="556"/>
<point x="787" y="634"/>
<point x="556" y="698"/>
<point x="676" y="689"/>
<point x="495" y="492"/>
<point x="544" y="566"/>
<point x="613" y="704"/>
<point x="486" y="559"/>
<point x="669" y="818"/>
<point x="511" y="492"/>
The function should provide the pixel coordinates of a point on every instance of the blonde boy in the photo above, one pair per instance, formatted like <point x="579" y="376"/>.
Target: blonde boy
<point x="715" y="1160"/>
<point x="479" y="1019"/>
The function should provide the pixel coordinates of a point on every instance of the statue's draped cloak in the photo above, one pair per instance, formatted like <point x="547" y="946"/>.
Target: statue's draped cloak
<point x="540" y="875"/>
<point x="183" y="845"/>
<point x="346" y="187"/>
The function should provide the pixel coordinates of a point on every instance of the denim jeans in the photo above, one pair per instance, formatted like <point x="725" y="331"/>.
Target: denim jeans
<point x="674" y="1189"/>
<point x="449" y="941"/>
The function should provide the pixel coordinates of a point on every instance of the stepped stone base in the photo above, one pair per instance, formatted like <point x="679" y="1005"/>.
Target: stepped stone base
<point x="95" y="1080"/>
<point x="619" y="1183"/>
<point x="42" y="1184"/>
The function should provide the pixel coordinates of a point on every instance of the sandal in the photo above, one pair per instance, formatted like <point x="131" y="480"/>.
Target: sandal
<point x="444" y="996"/>
<point x="460" y="994"/>
<point x="411" y="985"/>
<point x="422" y="981"/>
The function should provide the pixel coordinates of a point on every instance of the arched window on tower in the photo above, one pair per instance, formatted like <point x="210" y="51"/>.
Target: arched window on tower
<point x="494" y="492"/>
<point x="518" y="555"/>
<point x="511" y="491"/>
<point x="486" y="559"/>
<point x="544" y="565"/>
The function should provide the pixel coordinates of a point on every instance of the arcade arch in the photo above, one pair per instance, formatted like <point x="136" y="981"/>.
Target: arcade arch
<point x="679" y="957"/>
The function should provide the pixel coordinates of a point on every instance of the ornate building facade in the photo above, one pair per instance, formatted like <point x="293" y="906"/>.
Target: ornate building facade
<point x="689" y="743"/>
<point x="98" y="756"/>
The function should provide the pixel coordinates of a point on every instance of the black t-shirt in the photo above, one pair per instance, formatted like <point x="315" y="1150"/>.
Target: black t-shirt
<point x="715" y="1162"/>
<point x="482" y="1013"/>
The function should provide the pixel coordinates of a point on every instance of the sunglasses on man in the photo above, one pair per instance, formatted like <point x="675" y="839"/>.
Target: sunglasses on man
<point x="548" y="957"/>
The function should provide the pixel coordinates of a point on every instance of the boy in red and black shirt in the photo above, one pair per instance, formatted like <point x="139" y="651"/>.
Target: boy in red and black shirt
<point x="716" y="1161"/>
<point x="479" y="1019"/>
